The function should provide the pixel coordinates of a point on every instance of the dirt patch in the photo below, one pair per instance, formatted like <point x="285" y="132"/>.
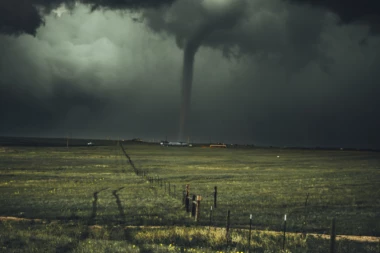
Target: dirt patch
<point x="10" y="218"/>
<point x="371" y="239"/>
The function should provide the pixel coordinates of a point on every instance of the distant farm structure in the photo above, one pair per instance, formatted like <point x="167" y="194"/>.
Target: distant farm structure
<point x="174" y="143"/>
<point x="218" y="146"/>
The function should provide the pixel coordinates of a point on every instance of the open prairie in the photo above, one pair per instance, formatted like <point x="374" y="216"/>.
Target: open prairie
<point x="91" y="199"/>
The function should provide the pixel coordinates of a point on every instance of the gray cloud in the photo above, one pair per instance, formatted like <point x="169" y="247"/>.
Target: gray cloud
<point x="350" y="11"/>
<point x="269" y="30"/>
<point x="284" y="74"/>
<point x="19" y="16"/>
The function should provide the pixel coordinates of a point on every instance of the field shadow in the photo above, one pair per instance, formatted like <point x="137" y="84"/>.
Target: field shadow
<point x="69" y="247"/>
<point x="127" y="236"/>
<point x="118" y="202"/>
<point x="91" y="220"/>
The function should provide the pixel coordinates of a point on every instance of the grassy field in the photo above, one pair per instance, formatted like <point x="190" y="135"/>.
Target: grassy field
<point x="89" y="199"/>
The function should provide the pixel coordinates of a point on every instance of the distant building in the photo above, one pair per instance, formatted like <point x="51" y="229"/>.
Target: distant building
<point x="218" y="146"/>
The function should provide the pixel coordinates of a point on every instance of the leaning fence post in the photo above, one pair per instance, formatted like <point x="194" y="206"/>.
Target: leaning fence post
<point x="215" y="195"/>
<point x="283" y="244"/>
<point x="228" y="227"/>
<point x="332" y="236"/>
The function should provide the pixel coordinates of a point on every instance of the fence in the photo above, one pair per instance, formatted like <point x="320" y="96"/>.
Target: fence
<point x="212" y="214"/>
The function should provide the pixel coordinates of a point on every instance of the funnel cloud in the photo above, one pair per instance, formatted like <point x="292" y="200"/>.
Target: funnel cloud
<point x="190" y="50"/>
<point x="219" y="15"/>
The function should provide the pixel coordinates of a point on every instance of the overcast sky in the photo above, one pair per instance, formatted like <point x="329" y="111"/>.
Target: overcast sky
<point x="269" y="72"/>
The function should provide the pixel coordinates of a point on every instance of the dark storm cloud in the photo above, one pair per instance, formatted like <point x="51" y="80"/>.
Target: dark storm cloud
<point x="351" y="10"/>
<point x="25" y="112"/>
<point x="271" y="30"/>
<point x="20" y="16"/>
<point x="281" y="74"/>
<point x="78" y="76"/>
<point x="123" y="4"/>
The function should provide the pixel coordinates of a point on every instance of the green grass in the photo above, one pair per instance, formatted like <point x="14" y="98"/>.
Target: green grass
<point x="340" y="184"/>
<point x="73" y="189"/>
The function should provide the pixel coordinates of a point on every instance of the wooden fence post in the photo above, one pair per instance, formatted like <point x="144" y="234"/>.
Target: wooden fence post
<point x="304" y="217"/>
<point x="187" y="199"/>
<point x="169" y="188"/>
<point x="228" y="227"/>
<point x="174" y="191"/>
<point x="332" y="236"/>
<point x="193" y="206"/>
<point x="198" y="208"/>
<point x="215" y="195"/>
<point x="283" y="242"/>
<point x="250" y="229"/>
<point x="210" y="216"/>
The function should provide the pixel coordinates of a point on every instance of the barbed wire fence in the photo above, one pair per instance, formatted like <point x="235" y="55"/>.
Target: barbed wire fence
<point x="210" y="209"/>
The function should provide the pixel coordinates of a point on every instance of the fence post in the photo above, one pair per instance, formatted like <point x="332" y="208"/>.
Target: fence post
<point x="174" y="191"/>
<point x="215" y="195"/>
<point x="228" y="227"/>
<point x="198" y="211"/>
<point x="193" y="206"/>
<point x="165" y="186"/>
<point x="210" y="216"/>
<point x="250" y="229"/>
<point x="304" y="218"/>
<point x="187" y="199"/>
<point x="169" y="188"/>
<point x="283" y="244"/>
<point x="332" y="236"/>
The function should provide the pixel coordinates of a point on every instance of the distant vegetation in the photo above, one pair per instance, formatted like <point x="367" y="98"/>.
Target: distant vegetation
<point x="89" y="199"/>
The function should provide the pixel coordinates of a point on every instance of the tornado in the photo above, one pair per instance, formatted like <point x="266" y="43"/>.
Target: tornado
<point x="190" y="49"/>
<point x="220" y="14"/>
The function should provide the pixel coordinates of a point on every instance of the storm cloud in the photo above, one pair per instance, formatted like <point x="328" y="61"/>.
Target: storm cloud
<point x="350" y="11"/>
<point x="283" y="73"/>
<point x="19" y="16"/>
